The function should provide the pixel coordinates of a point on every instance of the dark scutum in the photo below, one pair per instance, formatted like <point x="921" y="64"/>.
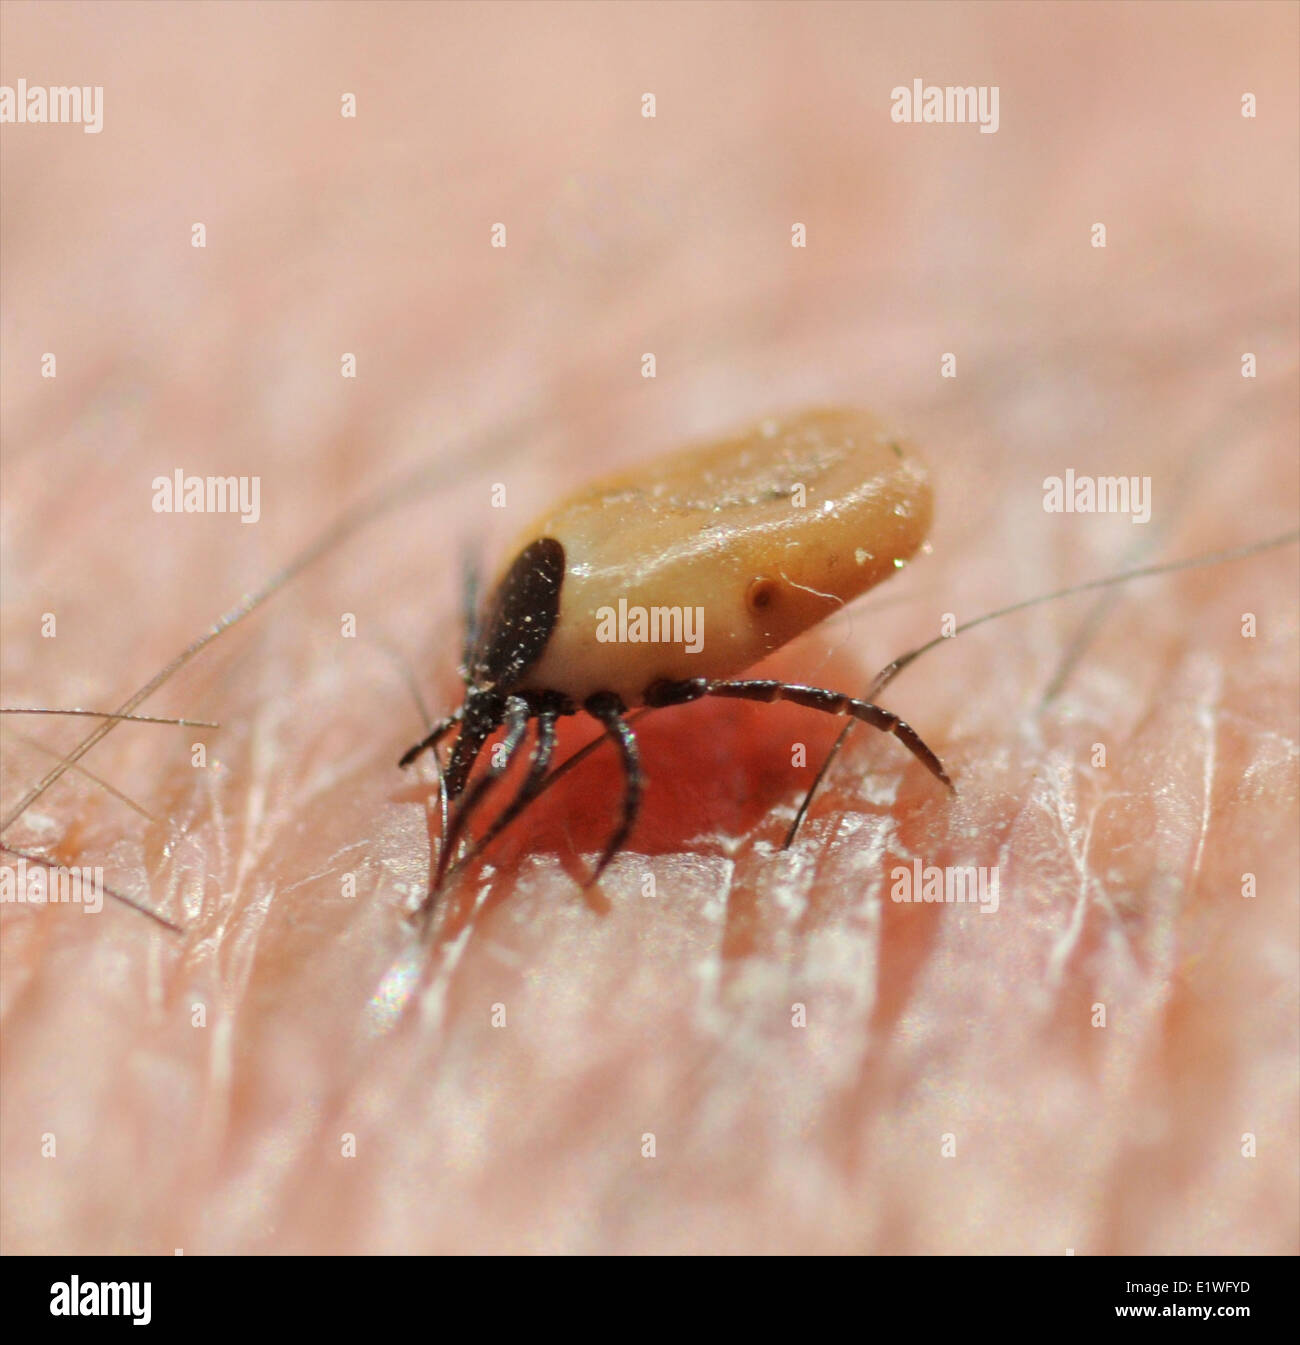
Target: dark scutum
<point x="517" y="627"/>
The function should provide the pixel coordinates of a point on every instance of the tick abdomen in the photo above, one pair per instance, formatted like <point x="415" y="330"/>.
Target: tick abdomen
<point x="701" y="563"/>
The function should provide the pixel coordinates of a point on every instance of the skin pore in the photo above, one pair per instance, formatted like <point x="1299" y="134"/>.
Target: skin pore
<point x="301" y="1070"/>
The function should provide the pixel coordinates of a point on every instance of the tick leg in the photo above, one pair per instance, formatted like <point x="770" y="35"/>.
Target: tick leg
<point x="436" y="735"/>
<point x="608" y="709"/>
<point x="538" y="765"/>
<point x="834" y="703"/>
<point x="659" y="695"/>
<point x="814" y="698"/>
<point x="517" y="714"/>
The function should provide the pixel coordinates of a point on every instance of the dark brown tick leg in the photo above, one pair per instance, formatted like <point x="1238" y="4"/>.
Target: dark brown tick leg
<point x="813" y="698"/>
<point x="436" y="735"/>
<point x="609" y="710"/>
<point x="517" y="714"/>
<point x="481" y="719"/>
<point x="548" y="715"/>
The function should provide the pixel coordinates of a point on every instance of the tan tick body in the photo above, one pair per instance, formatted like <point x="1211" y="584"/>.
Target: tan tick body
<point x="767" y="533"/>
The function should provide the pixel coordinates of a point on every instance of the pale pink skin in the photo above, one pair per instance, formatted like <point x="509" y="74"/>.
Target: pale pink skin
<point x="626" y="1014"/>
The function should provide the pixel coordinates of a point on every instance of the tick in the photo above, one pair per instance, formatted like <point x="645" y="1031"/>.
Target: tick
<point x="657" y="586"/>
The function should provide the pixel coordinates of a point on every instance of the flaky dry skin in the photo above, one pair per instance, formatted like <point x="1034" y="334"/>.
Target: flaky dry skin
<point x="625" y="1014"/>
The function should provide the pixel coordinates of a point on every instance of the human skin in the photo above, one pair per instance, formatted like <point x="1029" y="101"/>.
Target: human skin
<point x="326" y="1013"/>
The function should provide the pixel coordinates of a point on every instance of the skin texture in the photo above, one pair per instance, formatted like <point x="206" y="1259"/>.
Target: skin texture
<point x="626" y="1014"/>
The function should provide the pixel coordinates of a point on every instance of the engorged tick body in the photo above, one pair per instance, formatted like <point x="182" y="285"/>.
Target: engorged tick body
<point x="761" y="535"/>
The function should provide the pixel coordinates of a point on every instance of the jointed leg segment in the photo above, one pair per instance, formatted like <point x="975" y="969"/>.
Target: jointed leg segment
<point x="436" y="734"/>
<point x="517" y="715"/>
<point x="813" y="698"/>
<point x="539" y="763"/>
<point x="609" y="710"/>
